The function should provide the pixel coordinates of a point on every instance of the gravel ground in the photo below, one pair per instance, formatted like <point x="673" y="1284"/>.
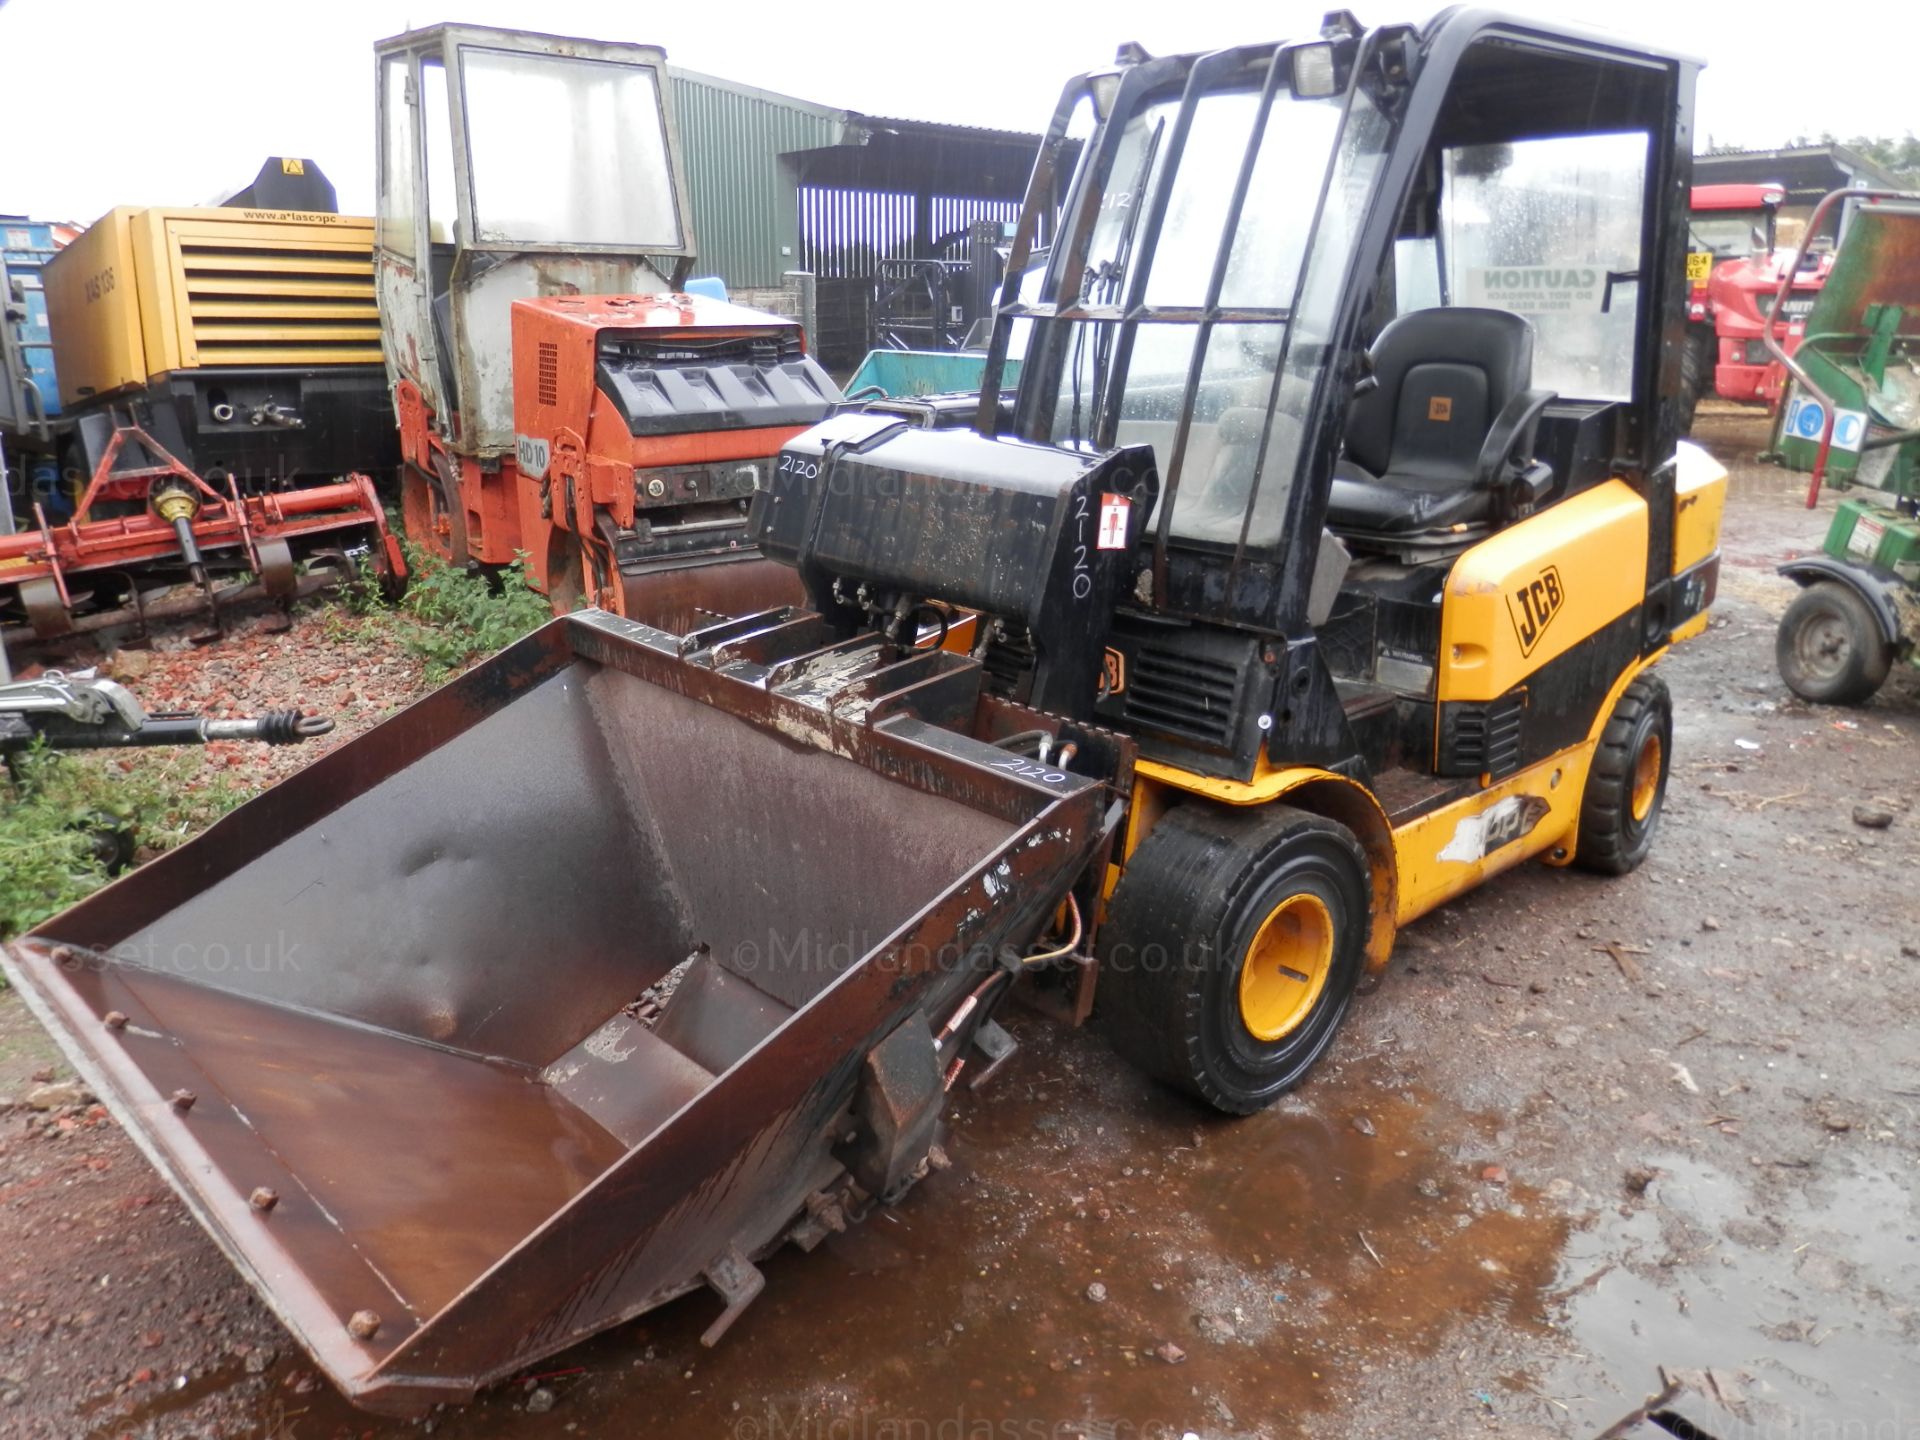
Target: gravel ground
<point x="1579" y="1131"/>
<point x="329" y="663"/>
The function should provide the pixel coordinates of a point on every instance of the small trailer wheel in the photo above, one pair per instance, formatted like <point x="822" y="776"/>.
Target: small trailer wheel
<point x="1830" y="648"/>
<point x="1231" y="950"/>
<point x="1627" y="783"/>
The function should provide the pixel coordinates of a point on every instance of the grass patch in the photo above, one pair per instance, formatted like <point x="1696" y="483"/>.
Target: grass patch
<point x="448" y="618"/>
<point x="65" y="816"/>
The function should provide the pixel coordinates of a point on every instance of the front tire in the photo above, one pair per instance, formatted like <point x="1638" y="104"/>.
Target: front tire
<point x="1830" y="648"/>
<point x="1627" y="782"/>
<point x="1231" y="950"/>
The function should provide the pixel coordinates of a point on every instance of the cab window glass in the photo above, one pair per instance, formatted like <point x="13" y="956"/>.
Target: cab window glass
<point x="1551" y="230"/>
<point x="443" y="194"/>
<point x="398" y="182"/>
<point x="1136" y="163"/>
<point x="543" y="170"/>
<point x="1201" y="196"/>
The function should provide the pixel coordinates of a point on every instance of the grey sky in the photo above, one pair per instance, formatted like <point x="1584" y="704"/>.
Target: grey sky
<point x="145" y="102"/>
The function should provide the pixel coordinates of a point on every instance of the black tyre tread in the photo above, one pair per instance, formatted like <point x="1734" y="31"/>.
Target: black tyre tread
<point x="1696" y="378"/>
<point x="1602" y="844"/>
<point x="1872" y="657"/>
<point x="1198" y="862"/>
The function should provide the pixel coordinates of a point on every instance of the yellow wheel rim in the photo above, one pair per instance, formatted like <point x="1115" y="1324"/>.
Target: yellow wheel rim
<point x="1646" y="778"/>
<point x="1286" y="967"/>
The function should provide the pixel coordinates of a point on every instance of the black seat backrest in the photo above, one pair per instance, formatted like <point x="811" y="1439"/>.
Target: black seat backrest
<point x="1444" y="375"/>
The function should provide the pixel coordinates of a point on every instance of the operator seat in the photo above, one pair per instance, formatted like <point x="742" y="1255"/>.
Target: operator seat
<point x="1439" y="439"/>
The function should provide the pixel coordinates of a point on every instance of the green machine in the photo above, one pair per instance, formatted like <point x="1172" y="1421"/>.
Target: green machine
<point x="1852" y="419"/>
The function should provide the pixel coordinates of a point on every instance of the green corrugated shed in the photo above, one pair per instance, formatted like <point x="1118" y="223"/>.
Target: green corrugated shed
<point x="744" y="204"/>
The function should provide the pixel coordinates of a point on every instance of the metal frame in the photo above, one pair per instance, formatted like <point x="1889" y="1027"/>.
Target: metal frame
<point x="446" y="42"/>
<point x="1267" y="591"/>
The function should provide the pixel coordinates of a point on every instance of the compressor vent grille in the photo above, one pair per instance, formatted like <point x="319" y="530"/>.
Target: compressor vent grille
<point x="280" y="293"/>
<point x="549" y="376"/>
<point x="677" y="349"/>
<point x="1182" y="693"/>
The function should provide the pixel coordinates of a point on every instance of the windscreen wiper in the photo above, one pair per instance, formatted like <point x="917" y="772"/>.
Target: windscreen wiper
<point x="1108" y="279"/>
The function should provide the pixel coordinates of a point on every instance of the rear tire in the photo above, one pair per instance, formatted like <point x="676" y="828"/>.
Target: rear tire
<point x="1231" y="950"/>
<point x="1627" y="782"/>
<point x="1830" y="648"/>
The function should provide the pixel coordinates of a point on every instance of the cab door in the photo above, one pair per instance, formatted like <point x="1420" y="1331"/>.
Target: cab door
<point x="402" y="253"/>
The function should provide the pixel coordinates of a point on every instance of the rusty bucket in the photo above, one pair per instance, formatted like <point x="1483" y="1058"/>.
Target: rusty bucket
<point x="400" y="1032"/>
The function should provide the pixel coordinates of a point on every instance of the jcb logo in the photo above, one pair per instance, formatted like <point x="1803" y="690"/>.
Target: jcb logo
<point x="1534" y="605"/>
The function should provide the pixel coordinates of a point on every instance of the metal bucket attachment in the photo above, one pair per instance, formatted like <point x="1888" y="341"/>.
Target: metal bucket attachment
<point x="580" y="984"/>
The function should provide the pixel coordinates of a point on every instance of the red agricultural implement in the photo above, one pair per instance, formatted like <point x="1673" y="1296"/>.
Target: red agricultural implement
<point x="151" y="539"/>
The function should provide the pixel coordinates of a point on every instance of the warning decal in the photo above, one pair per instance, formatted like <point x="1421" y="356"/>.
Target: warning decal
<point x="1536" y="289"/>
<point x="1113" y="522"/>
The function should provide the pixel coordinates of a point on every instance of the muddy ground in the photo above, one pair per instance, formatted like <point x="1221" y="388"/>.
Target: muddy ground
<point x="1581" y="1129"/>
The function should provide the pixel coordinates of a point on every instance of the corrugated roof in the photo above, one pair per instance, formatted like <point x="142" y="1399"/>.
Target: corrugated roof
<point x="1028" y="139"/>
<point x="1842" y="157"/>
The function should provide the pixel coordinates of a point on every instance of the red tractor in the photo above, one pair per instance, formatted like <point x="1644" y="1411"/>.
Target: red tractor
<point x="1734" y="271"/>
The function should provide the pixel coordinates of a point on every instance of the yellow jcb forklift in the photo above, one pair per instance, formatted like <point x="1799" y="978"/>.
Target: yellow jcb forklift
<point x="1318" y="566"/>
<point x="1392" y="318"/>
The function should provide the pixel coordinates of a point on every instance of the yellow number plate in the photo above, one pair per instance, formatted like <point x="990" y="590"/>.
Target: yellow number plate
<point x="1699" y="266"/>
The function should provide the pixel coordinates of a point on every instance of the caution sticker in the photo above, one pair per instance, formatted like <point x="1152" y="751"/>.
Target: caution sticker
<point x="1113" y="522"/>
<point x="1537" y="289"/>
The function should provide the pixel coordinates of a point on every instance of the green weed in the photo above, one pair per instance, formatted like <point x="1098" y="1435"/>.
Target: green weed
<point x="449" y="618"/>
<point x="65" y="818"/>
<point x="456" y="618"/>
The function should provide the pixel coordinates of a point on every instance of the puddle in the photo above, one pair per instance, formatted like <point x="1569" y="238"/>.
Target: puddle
<point x="1808" y="1308"/>
<point x="1284" y="1256"/>
<point x="1294" y="1259"/>
<point x="177" y="1398"/>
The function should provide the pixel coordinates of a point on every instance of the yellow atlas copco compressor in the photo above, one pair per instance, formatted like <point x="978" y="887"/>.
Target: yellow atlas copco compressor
<point x="245" y="337"/>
